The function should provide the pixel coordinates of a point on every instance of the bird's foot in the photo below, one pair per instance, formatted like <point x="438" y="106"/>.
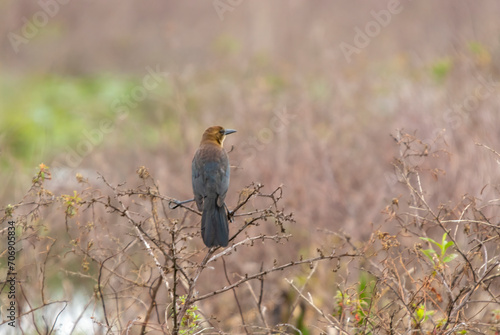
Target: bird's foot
<point x="230" y="216"/>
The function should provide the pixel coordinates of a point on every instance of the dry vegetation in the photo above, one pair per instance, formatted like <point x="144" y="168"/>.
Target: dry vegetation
<point x="366" y="192"/>
<point x="138" y="265"/>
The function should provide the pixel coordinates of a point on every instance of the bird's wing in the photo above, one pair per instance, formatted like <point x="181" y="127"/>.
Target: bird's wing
<point x="224" y="173"/>
<point x="211" y="174"/>
<point x="198" y="182"/>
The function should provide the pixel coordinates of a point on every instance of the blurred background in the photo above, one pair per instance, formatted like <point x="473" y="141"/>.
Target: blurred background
<point x="314" y="89"/>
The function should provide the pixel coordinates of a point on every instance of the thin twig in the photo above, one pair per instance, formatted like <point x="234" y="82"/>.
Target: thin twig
<point x="274" y="269"/>
<point x="235" y="298"/>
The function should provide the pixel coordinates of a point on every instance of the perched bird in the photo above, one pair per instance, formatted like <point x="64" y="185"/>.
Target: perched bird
<point x="210" y="176"/>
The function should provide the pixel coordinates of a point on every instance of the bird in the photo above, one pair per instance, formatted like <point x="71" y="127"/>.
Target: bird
<point x="210" y="177"/>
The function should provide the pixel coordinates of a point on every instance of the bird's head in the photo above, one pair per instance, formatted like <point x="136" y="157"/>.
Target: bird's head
<point x="216" y="134"/>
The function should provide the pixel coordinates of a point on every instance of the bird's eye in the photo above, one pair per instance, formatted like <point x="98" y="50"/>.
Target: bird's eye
<point x="222" y="131"/>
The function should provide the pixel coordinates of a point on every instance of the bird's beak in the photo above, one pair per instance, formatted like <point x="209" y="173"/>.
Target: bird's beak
<point x="229" y="131"/>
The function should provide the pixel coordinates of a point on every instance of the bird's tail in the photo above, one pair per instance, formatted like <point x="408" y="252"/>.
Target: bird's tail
<point x="214" y="226"/>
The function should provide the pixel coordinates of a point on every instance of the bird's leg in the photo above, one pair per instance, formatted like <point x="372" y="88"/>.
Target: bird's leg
<point x="230" y="214"/>
<point x="176" y="203"/>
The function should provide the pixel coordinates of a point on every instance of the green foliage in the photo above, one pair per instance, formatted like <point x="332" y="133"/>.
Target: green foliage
<point x="71" y="203"/>
<point x="42" y="174"/>
<point x="441" y="258"/>
<point x="421" y="314"/>
<point x="48" y="114"/>
<point x="357" y="303"/>
<point x="476" y="48"/>
<point x="301" y="324"/>
<point x="9" y="210"/>
<point x="441" y="68"/>
<point x="480" y="53"/>
<point x="46" y="110"/>
<point x="366" y="287"/>
<point x="190" y="323"/>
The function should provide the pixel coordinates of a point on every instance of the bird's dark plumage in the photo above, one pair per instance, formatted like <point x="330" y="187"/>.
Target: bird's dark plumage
<point x="210" y="177"/>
